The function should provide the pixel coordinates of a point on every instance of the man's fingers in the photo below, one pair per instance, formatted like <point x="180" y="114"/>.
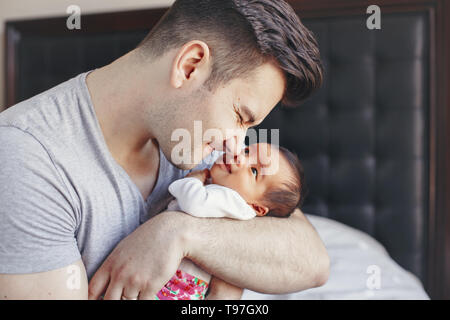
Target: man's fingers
<point x="151" y="289"/>
<point x="148" y="294"/>
<point x="130" y="293"/>
<point x="98" y="284"/>
<point x="114" y="291"/>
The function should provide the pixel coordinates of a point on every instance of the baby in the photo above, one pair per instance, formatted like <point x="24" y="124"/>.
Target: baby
<point x="264" y="180"/>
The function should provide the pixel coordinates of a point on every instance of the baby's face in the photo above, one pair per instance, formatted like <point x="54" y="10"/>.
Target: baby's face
<point x="251" y="173"/>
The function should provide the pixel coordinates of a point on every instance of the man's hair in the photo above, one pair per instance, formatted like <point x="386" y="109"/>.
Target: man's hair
<point x="242" y="35"/>
<point x="283" y="199"/>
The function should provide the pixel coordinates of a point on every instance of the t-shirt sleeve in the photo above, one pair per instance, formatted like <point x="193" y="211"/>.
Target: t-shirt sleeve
<point x="37" y="215"/>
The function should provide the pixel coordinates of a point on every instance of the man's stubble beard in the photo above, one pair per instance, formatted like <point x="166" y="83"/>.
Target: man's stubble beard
<point x="185" y="111"/>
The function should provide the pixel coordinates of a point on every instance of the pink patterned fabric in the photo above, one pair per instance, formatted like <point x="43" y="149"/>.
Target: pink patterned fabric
<point x="183" y="286"/>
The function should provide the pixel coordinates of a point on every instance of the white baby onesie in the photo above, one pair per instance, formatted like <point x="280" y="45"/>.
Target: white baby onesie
<point x="206" y="201"/>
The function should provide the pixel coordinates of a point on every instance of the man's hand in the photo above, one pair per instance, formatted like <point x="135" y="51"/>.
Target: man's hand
<point x="143" y="262"/>
<point x="268" y="255"/>
<point x="202" y="175"/>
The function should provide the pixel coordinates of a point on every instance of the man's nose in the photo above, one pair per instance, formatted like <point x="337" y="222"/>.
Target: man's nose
<point x="234" y="144"/>
<point x="230" y="147"/>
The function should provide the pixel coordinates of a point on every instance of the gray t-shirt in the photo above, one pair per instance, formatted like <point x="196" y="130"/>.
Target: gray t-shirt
<point x="62" y="194"/>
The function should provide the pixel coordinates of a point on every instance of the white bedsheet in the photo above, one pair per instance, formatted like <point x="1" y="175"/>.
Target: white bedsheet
<point x="356" y="261"/>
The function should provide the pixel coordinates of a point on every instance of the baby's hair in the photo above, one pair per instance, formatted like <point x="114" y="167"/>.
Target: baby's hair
<point x="291" y="194"/>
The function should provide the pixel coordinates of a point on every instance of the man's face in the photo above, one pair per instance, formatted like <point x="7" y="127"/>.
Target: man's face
<point x="226" y="114"/>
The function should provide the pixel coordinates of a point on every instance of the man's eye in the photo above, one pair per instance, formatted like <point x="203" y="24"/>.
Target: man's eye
<point x="239" y="117"/>
<point x="246" y="150"/>
<point x="255" y="172"/>
<point x="241" y="120"/>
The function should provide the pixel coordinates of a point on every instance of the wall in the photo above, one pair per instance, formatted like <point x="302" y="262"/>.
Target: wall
<point x="23" y="9"/>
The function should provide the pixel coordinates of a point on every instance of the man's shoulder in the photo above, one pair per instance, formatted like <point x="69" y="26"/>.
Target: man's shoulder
<point x="58" y="120"/>
<point x="21" y="150"/>
<point x="16" y="138"/>
<point x="42" y="109"/>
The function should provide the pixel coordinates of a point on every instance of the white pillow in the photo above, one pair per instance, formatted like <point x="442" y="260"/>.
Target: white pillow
<point x="360" y="268"/>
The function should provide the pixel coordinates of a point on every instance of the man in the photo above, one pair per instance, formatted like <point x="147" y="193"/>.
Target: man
<point x="86" y="165"/>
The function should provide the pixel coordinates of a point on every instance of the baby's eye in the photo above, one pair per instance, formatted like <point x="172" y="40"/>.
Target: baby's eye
<point x="255" y="172"/>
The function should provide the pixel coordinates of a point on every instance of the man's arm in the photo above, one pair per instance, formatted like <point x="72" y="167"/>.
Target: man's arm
<point x="38" y="222"/>
<point x="221" y="290"/>
<point x="63" y="284"/>
<point x="269" y="255"/>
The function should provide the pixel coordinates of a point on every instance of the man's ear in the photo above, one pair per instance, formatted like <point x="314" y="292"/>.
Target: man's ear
<point x="191" y="61"/>
<point x="260" y="210"/>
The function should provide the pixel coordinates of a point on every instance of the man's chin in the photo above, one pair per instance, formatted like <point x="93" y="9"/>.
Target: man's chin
<point x="195" y="161"/>
<point x="188" y="166"/>
<point x="184" y="166"/>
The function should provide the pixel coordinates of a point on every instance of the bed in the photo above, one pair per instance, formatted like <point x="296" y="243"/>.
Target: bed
<point x="373" y="139"/>
<point x="360" y="269"/>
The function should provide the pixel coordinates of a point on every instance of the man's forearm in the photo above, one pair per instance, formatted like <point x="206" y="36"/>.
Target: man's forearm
<point x="269" y="255"/>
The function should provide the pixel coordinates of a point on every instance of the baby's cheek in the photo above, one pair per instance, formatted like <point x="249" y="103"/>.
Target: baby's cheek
<point x="246" y="188"/>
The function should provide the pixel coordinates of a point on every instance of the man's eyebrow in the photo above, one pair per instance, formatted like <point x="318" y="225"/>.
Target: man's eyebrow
<point x="249" y="114"/>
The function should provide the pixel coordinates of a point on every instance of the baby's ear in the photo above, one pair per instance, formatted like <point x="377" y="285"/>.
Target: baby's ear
<point x="260" y="210"/>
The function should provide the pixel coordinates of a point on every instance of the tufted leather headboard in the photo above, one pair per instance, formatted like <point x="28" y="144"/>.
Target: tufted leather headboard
<point x="363" y="138"/>
<point x="368" y="139"/>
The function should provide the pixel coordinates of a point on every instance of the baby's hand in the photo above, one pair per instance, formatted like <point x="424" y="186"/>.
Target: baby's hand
<point x="201" y="175"/>
<point x="221" y="290"/>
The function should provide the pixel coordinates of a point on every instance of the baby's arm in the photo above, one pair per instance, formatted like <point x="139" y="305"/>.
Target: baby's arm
<point x="221" y="290"/>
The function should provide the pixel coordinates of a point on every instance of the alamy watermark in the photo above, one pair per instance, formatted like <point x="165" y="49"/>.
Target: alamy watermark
<point x="373" y="282"/>
<point x="73" y="281"/>
<point x="374" y="20"/>
<point x="182" y="152"/>
<point x="73" y="22"/>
